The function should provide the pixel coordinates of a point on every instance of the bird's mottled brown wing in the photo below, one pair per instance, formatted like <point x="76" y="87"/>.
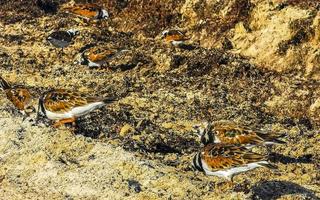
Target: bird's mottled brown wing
<point x="86" y="10"/>
<point x="234" y="134"/>
<point x="64" y="100"/>
<point x="175" y="32"/>
<point x="222" y="156"/>
<point x="176" y="37"/>
<point x="89" y="7"/>
<point x="98" y="56"/>
<point x="20" y="97"/>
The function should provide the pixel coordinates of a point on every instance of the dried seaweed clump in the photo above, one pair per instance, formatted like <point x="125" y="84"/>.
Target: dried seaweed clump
<point x="304" y="4"/>
<point x="218" y="23"/>
<point x="149" y="16"/>
<point x="26" y="10"/>
<point x="303" y="32"/>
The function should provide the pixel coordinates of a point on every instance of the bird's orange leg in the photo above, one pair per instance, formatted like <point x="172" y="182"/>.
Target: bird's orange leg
<point x="64" y="121"/>
<point x="226" y="185"/>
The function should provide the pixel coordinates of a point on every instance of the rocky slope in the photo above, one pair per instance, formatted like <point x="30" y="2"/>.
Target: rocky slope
<point x="252" y="62"/>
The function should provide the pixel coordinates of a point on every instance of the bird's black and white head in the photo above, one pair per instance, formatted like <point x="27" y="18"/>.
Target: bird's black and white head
<point x="208" y="135"/>
<point x="205" y="132"/>
<point x="49" y="38"/>
<point x="73" y="32"/>
<point x="103" y="14"/>
<point x="164" y="33"/>
<point x="83" y="60"/>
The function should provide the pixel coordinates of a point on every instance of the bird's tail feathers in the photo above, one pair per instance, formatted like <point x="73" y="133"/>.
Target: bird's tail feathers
<point x="110" y="100"/>
<point x="268" y="165"/>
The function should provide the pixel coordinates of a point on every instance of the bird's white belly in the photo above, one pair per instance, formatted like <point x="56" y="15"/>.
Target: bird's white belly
<point x="227" y="173"/>
<point x="82" y="110"/>
<point x="176" y="43"/>
<point x="53" y="115"/>
<point x="96" y="64"/>
<point x="75" y="112"/>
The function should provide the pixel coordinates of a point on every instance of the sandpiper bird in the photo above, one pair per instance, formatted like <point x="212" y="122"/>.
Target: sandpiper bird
<point x="225" y="160"/>
<point x="65" y="105"/>
<point x="98" y="56"/>
<point x="175" y="37"/>
<point x="230" y="133"/>
<point x="87" y="11"/>
<point x="18" y="95"/>
<point x="62" y="39"/>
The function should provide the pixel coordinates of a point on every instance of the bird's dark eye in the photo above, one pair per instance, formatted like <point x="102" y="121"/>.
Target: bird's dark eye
<point x="53" y="98"/>
<point x="61" y="97"/>
<point x="21" y="98"/>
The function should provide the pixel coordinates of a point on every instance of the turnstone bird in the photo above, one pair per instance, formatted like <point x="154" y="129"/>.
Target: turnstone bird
<point x="97" y="56"/>
<point x="87" y="11"/>
<point x="225" y="160"/>
<point x="65" y="105"/>
<point x="175" y="37"/>
<point x="62" y="39"/>
<point x="230" y="133"/>
<point x="18" y="95"/>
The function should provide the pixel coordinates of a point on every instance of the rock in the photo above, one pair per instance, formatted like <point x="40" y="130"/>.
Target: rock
<point x="134" y="185"/>
<point x="125" y="130"/>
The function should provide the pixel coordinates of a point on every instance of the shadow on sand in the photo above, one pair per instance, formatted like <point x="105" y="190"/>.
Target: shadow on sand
<point x="275" y="157"/>
<point x="187" y="47"/>
<point x="271" y="190"/>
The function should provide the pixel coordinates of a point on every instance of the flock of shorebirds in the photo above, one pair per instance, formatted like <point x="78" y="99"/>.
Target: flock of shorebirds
<point x="226" y="147"/>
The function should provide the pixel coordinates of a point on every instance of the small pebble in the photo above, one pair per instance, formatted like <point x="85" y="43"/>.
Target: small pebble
<point x="134" y="185"/>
